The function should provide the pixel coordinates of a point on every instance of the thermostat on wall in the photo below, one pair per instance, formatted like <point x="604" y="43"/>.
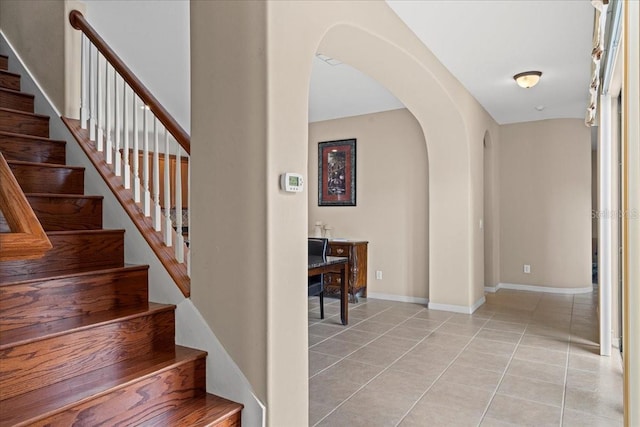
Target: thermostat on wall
<point x="291" y="182"/>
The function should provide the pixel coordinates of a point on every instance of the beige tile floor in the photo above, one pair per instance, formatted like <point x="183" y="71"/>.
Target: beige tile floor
<point x="522" y="359"/>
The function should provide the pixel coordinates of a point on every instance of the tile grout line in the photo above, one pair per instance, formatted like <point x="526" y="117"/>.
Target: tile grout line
<point x="349" y="354"/>
<point x="566" y="368"/>
<point x="368" y="342"/>
<point x="349" y="327"/>
<point x="441" y="373"/>
<point x="388" y="366"/>
<point x="534" y="325"/>
<point x="504" y="374"/>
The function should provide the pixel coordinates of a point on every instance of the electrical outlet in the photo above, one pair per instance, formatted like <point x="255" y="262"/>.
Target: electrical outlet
<point x="378" y="274"/>
<point x="527" y="269"/>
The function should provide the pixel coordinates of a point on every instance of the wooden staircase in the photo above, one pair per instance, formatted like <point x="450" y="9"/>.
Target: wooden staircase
<point x="80" y="344"/>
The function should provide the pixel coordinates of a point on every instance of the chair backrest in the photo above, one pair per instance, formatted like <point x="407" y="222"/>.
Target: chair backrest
<point x="318" y="247"/>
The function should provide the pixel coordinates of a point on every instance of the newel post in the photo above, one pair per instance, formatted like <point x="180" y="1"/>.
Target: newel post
<point x="72" y="67"/>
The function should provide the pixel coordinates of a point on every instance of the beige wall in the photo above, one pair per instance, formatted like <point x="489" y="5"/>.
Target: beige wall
<point x="545" y="203"/>
<point x="55" y="64"/>
<point x="250" y="124"/>
<point x="40" y="32"/>
<point x="229" y="169"/>
<point x="491" y="217"/>
<point x="392" y="198"/>
<point x="35" y="31"/>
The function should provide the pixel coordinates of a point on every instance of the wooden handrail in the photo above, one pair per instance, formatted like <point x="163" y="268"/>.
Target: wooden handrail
<point x="27" y="239"/>
<point x="79" y="22"/>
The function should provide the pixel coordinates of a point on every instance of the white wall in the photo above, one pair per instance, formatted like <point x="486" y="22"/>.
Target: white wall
<point x="392" y="199"/>
<point x="152" y="37"/>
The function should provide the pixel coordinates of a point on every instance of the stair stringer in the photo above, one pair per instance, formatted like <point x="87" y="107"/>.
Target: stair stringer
<point x="224" y="377"/>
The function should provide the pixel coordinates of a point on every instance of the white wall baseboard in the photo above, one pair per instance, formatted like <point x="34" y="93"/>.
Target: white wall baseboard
<point x="536" y="288"/>
<point x="615" y="342"/>
<point x="478" y="303"/>
<point x="401" y="298"/>
<point x="457" y="308"/>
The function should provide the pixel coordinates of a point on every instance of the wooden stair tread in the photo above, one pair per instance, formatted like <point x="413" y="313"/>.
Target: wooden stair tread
<point x="70" y="232"/>
<point x="59" y="211"/>
<point x="30" y="278"/>
<point x="33" y="137"/>
<point x="64" y="196"/>
<point x="16" y="92"/>
<point x="207" y="410"/>
<point x="24" y="113"/>
<point x="36" y="177"/>
<point x="9" y="73"/>
<point x="10" y="98"/>
<point x="18" y="146"/>
<point x="23" y="122"/>
<point x="9" y="80"/>
<point x="44" y="165"/>
<point x="70" y="325"/>
<point x="103" y="231"/>
<point x="92" y="384"/>
<point x="32" y="302"/>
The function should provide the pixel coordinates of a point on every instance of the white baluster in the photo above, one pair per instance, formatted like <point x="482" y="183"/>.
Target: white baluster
<point x="157" y="223"/>
<point x="116" y="126"/>
<point x="126" y="169"/>
<point x="167" y="191"/>
<point x="145" y="162"/>
<point x="179" y="239"/>
<point x="92" y="97"/>
<point x="107" y="114"/>
<point x="189" y="215"/>
<point x="84" y="114"/>
<point x="136" y="152"/>
<point x="99" y="124"/>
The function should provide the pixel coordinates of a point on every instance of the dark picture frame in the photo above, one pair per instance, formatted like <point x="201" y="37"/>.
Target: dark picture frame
<point x="337" y="173"/>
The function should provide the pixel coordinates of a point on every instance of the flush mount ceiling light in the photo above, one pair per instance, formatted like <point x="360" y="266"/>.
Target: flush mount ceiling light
<point x="527" y="79"/>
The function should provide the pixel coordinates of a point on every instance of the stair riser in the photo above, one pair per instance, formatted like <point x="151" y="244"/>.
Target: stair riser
<point x="191" y="415"/>
<point x="64" y="213"/>
<point x="72" y="252"/>
<point x="42" y="179"/>
<point x="32" y="150"/>
<point x="50" y="300"/>
<point x="24" y="123"/>
<point x="16" y="101"/>
<point x="9" y="81"/>
<point x="37" y="364"/>
<point x="4" y="63"/>
<point x="137" y="402"/>
<point x="233" y="421"/>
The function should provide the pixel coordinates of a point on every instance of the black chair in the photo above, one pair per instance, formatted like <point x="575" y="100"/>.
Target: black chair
<point x="318" y="248"/>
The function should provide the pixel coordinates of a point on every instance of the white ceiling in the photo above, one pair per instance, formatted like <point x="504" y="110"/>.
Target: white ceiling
<point x="483" y="43"/>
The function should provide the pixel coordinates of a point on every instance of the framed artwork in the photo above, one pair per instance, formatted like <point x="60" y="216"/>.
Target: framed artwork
<point x="337" y="173"/>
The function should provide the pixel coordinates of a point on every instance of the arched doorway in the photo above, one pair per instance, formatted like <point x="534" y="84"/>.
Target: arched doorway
<point x="490" y="214"/>
<point x="391" y="152"/>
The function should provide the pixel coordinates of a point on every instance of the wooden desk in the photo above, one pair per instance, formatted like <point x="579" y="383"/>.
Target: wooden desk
<point x="356" y="251"/>
<point x="334" y="264"/>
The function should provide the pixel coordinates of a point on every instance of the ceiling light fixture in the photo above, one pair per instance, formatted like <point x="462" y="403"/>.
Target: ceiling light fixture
<point x="527" y="79"/>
